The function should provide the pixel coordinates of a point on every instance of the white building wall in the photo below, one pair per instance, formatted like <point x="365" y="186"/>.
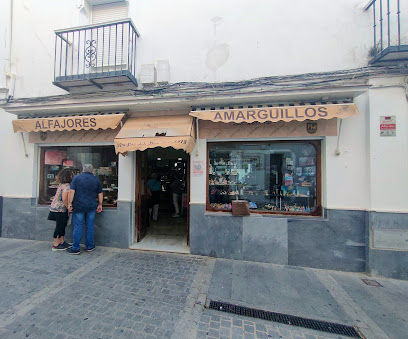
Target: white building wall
<point x="126" y="177"/>
<point x="206" y="40"/>
<point x="228" y="41"/>
<point x="17" y="170"/>
<point x="34" y="44"/>
<point x="198" y="183"/>
<point x="389" y="155"/>
<point x="4" y="21"/>
<point x="210" y="40"/>
<point x="347" y="184"/>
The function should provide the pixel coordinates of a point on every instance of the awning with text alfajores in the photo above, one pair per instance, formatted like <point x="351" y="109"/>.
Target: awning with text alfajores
<point x="279" y="113"/>
<point x="68" y="123"/>
<point x="139" y="134"/>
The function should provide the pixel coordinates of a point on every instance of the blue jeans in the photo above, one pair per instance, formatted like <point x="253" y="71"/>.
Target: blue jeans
<point x="78" y="219"/>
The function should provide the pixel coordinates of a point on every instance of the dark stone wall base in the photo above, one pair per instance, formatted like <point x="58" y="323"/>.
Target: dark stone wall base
<point x="342" y="240"/>
<point x="336" y="242"/>
<point x="354" y="241"/>
<point x="24" y="219"/>
<point x="1" y="214"/>
<point x="388" y="250"/>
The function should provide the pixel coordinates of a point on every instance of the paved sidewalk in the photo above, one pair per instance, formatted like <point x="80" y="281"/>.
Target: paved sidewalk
<point x="379" y="312"/>
<point x="113" y="293"/>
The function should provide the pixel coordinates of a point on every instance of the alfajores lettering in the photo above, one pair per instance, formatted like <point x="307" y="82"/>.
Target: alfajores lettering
<point x="63" y="123"/>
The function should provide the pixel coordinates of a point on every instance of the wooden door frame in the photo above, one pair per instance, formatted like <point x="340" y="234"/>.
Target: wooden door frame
<point x="188" y="199"/>
<point x="140" y="199"/>
<point x="138" y="196"/>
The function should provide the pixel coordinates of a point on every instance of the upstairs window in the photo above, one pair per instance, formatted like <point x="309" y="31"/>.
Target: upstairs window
<point x="109" y="12"/>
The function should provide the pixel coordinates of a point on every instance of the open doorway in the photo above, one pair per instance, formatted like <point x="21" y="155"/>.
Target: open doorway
<point x="162" y="197"/>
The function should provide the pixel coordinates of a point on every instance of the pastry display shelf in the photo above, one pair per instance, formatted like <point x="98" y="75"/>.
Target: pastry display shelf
<point x="293" y="196"/>
<point x="230" y="195"/>
<point x="239" y="185"/>
<point x="223" y="173"/>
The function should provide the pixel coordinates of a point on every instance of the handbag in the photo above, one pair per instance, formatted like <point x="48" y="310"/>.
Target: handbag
<point x="52" y="216"/>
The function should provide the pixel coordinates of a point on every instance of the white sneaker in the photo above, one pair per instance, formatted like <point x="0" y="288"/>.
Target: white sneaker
<point x="175" y="215"/>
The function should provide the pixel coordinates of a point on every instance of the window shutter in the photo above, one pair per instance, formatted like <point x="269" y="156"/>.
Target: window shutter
<point x="110" y="51"/>
<point x="109" y="12"/>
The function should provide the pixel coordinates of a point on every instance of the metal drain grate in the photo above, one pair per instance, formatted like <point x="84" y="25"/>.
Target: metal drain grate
<point x="286" y="319"/>
<point x="371" y="282"/>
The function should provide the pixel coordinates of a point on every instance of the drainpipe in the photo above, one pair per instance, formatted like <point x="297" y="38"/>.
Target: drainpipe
<point x="10" y="77"/>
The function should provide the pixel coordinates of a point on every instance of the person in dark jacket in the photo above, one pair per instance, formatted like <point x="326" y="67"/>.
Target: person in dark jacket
<point x="154" y="186"/>
<point x="175" y="188"/>
<point x="84" y="201"/>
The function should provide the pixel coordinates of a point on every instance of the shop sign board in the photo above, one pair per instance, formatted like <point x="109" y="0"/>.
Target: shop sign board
<point x="388" y="126"/>
<point x="281" y="113"/>
<point x="78" y="123"/>
<point x="140" y="144"/>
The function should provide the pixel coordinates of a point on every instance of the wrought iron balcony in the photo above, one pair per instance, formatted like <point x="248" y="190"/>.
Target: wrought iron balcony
<point x="96" y="55"/>
<point x="390" y="31"/>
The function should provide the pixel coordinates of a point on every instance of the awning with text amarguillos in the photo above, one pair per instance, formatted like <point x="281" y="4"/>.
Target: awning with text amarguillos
<point x="139" y="134"/>
<point x="68" y="123"/>
<point x="278" y="113"/>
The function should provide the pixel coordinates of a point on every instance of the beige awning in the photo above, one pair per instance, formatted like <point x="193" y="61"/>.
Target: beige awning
<point x="79" y="122"/>
<point x="139" y="134"/>
<point x="280" y="113"/>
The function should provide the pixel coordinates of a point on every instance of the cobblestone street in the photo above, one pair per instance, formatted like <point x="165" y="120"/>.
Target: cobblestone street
<point x="112" y="293"/>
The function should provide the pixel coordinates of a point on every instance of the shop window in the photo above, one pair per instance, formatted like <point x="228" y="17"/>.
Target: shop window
<point x="275" y="177"/>
<point x="103" y="159"/>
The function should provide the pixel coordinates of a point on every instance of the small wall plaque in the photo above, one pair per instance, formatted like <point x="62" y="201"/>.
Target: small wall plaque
<point x="388" y="126"/>
<point x="311" y="127"/>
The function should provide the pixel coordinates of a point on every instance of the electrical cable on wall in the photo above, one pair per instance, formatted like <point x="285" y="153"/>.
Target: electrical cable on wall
<point x="255" y="86"/>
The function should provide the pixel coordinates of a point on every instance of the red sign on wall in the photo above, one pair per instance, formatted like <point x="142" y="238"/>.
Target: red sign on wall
<point x="388" y="126"/>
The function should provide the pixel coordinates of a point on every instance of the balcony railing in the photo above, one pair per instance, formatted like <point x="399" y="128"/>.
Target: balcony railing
<point x="390" y="30"/>
<point x="96" y="55"/>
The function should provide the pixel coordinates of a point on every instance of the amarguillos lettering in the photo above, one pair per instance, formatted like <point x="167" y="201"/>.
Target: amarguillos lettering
<point x="322" y="111"/>
<point x="271" y="114"/>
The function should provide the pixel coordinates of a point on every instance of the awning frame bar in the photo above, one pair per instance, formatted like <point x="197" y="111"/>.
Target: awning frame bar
<point x="25" y="148"/>
<point x="197" y="138"/>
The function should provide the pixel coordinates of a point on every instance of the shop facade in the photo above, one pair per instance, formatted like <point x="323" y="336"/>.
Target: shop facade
<point x="315" y="187"/>
<point x="109" y="142"/>
<point x="312" y="135"/>
<point x="69" y="141"/>
<point x="273" y="156"/>
<point x="307" y="169"/>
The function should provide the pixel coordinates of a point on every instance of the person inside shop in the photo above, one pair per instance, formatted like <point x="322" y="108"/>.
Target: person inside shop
<point x="176" y="188"/>
<point x="59" y="208"/>
<point x="154" y="187"/>
<point x="84" y="201"/>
